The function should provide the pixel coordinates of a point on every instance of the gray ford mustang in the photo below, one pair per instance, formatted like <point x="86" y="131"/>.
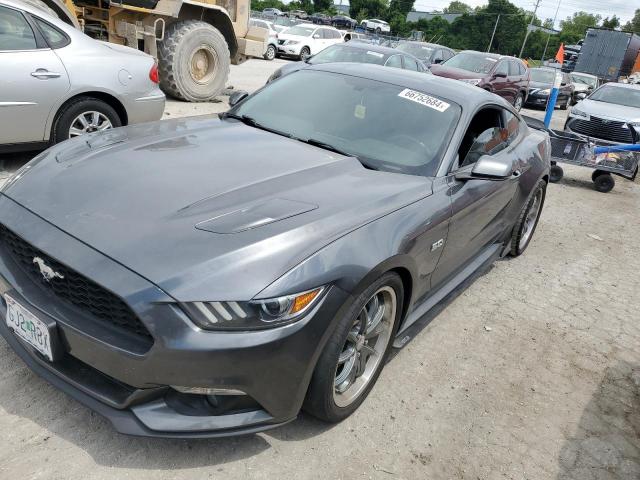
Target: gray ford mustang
<point x="212" y="276"/>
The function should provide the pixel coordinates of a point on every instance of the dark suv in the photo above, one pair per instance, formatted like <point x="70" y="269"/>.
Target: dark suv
<point x="499" y="74"/>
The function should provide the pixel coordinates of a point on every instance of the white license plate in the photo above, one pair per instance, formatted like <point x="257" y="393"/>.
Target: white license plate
<point x="28" y="327"/>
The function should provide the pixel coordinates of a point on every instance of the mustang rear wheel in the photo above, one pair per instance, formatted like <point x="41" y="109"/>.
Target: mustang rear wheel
<point x="353" y="358"/>
<point x="528" y="220"/>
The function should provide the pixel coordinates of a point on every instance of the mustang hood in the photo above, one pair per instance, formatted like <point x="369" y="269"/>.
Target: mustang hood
<point x="207" y="209"/>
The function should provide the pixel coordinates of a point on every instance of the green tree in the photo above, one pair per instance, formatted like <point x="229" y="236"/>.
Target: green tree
<point x="458" y="7"/>
<point x="613" y="22"/>
<point x="574" y="28"/>
<point x="633" y="25"/>
<point x="548" y="23"/>
<point x="361" y="9"/>
<point x="322" y="5"/>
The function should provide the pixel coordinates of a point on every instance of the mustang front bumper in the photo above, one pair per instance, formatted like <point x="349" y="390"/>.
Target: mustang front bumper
<point x="130" y="383"/>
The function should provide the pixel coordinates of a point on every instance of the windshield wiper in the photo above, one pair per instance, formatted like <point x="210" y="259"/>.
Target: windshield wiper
<point x="328" y="146"/>
<point x="252" y="122"/>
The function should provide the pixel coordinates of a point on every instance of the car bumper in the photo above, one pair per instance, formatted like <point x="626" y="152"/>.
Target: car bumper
<point x="130" y="386"/>
<point x="537" y="101"/>
<point x="147" y="108"/>
<point x="289" y="50"/>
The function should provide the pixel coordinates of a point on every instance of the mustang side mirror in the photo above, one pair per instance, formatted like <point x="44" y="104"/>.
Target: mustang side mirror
<point x="236" y="97"/>
<point x="488" y="168"/>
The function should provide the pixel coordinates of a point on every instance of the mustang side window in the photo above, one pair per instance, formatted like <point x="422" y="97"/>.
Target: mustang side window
<point x="485" y="136"/>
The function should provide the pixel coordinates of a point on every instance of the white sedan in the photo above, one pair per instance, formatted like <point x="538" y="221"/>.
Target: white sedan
<point x="57" y="83"/>
<point x="376" y="25"/>
<point x="305" y="40"/>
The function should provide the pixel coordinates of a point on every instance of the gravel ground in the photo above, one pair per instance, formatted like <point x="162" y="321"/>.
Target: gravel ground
<point x="533" y="372"/>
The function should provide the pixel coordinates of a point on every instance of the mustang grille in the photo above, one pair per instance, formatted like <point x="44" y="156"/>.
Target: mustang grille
<point x="604" y="129"/>
<point x="74" y="288"/>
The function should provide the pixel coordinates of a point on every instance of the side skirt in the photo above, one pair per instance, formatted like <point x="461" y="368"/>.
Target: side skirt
<point x="422" y="315"/>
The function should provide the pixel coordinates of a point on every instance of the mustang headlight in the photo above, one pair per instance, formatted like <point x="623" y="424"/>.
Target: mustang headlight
<point x="255" y="314"/>
<point x="472" y="81"/>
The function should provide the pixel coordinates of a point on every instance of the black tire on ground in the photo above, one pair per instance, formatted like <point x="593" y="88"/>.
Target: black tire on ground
<point x="604" y="183"/>
<point x="555" y="173"/>
<point x="518" y="229"/>
<point x="518" y="102"/>
<point x="193" y="61"/>
<point x="271" y="53"/>
<point x="596" y="174"/>
<point x="70" y="111"/>
<point x="304" y="53"/>
<point x="319" y="401"/>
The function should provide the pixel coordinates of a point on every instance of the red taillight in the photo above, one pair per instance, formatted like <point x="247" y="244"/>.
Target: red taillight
<point x="153" y="74"/>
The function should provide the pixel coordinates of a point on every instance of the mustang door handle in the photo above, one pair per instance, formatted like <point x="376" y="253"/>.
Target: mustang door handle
<point x="44" y="74"/>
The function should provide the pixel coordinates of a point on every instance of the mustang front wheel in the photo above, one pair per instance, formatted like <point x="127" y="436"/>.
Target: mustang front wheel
<point x="353" y="358"/>
<point x="528" y="220"/>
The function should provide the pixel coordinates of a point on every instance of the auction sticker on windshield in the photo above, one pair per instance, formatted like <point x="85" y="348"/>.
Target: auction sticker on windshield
<point x="423" y="99"/>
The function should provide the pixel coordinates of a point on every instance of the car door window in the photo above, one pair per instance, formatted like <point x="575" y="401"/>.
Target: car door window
<point x="438" y="56"/>
<point x="54" y="37"/>
<point x="394" y="61"/>
<point x="512" y="124"/>
<point x="448" y="54"/>
<point x="15" y="32"/>
<point x="502" y="68"/>
<point x="484" y="136"/>
<point x="514" y="69"/>
<point x="410" y="64"/>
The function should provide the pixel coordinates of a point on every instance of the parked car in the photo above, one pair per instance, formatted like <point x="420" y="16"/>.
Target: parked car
<point x="58" y="83"/>
<point x="355" y="36"/>
<point x="320" y="19"/>
<point x="610" y="114"/>
<point x="376" y="25"/>
<point x="354" y="52"/>
<point x="271" y="49"/>
<point x="542" y="81"/>
<point x="428" y="53"/>
<point x="299" y="14"/>
<point x="304" y="40"/>
<point x="499" y="74"/>
<point x="344" y="21"/>
<point x="583" y="85"/>
<point x="204" y="277"/>
<point x="272" y="12"/>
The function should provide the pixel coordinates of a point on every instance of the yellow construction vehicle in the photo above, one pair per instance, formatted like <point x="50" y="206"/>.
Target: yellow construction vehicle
<point x="194" y="41"/>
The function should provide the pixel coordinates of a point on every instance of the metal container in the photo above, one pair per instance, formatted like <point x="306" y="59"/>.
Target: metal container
<point x="608" y="54"/>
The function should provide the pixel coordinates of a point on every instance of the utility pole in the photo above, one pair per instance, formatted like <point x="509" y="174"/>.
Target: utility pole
<point x="526" y="35"/>
<point x="546" y="45"/>
<point x="495" y="27"/>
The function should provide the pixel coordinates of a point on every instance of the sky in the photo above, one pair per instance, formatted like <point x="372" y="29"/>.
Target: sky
<point x="623" y="9"/>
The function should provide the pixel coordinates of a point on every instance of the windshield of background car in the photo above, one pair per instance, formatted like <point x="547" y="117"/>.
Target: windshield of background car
<point x="418" y="51"/>
<point x="300" y="31"/>
<point x="473" y="62"/>
<point x="627" y="97"/>
<point x="543" y="76"/>
<point x="388" y="127"/>
<point x="592" y="82"/>
<point x="344" y="53"/>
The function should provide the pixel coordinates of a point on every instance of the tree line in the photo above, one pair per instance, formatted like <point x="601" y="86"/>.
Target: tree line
<point x="473" y="28"/>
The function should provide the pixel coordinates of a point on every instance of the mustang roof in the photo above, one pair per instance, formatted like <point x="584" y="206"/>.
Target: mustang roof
<point x="465" y="95"/>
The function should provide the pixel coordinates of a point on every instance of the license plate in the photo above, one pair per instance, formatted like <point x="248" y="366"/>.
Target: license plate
<point x="28" y="327"/>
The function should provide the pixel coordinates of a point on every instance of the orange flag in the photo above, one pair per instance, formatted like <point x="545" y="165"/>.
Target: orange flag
<point x="560" y="54"/>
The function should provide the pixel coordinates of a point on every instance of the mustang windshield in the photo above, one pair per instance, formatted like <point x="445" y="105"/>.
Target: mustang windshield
<point x="386" y="126"/>
<point x="627" y="97"/>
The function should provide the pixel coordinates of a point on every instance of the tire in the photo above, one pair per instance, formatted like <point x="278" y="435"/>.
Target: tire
<point x="322" y="400"/>
<point x="271" y="53"/>
<point x="378" y="31"/>
<point x="518" y="102"/>
<point x="183" y="46"/>
<point x="69" y="113"/>
<point x="565" y="105"/>
<point x="304" y="53"/>
<point x="555" y="173"/>
<point x="596" y="174"/>
<point x="604" y="183"/>
<point x="525" y="227"/>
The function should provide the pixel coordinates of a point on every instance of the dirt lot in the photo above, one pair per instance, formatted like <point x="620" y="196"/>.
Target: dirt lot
<point x="532" y="373"/>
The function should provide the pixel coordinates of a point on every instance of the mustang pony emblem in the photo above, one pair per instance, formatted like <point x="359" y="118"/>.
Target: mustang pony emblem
<point x="47" y="272"/>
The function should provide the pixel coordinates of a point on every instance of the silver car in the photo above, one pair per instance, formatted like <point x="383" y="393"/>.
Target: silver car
<point x="611" y="114"/>
<point x="58" y="83"/>
<point x="272" y="44"/>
